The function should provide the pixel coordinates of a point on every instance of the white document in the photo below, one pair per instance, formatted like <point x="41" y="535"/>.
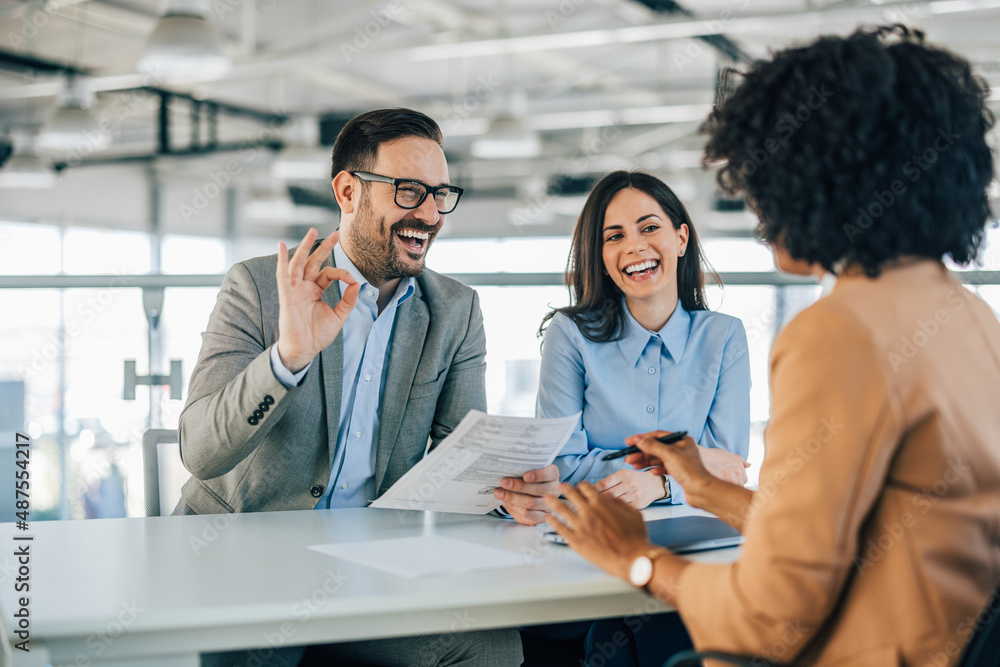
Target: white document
<point x="422" y="556"/>
<point x="464" y="469"/>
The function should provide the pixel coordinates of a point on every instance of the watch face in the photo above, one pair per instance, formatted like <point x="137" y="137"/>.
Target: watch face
<point x="641" y="571"/>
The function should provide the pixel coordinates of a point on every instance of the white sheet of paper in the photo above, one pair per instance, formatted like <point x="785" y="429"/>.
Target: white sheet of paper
<point x="422" y="556"/>
<point x="462" y="471"/>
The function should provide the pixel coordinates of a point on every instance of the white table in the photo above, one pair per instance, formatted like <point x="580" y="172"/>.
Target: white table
<point x="156" y="592"/>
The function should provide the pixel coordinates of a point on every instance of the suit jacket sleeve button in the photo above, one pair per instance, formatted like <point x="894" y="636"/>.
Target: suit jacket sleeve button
<point x="264" y="406"/>
<point x="253" y="421"/>
<point x="316" y="491"/>
<point x="269" y="399"/>
<point x="259" y="414"/>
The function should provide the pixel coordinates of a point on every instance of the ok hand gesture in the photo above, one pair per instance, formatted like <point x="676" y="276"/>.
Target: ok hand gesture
<point x="306" y="324"/>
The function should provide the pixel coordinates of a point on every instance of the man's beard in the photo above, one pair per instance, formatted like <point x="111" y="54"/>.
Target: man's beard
<point x="376" y="254"/>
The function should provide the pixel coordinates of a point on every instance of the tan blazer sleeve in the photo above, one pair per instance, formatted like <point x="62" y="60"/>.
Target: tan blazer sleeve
<point x="834" y="429"/>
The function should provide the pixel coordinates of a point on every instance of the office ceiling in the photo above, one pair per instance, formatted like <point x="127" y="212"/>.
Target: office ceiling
<point x="605" y="83"/>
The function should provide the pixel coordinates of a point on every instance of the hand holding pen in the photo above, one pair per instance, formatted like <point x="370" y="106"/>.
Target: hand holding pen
<point x="668" y="439"/>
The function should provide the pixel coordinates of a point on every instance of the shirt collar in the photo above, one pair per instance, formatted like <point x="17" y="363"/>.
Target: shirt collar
<point x="673" y="335"/>
<point x="340" y="259"/>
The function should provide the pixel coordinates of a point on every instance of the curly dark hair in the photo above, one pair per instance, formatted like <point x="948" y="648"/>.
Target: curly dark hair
<point x="860" y="150"/>
<point x="596" y="301"/>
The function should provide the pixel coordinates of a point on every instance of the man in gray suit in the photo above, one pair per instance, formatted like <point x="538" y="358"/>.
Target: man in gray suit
<point x="306" y="396"/>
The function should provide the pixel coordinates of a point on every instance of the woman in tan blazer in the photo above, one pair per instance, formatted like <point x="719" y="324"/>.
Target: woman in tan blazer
<point x="874" y="536"/>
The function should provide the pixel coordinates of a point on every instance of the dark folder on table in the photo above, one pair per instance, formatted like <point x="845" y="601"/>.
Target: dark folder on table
<point x="687" y="534"/>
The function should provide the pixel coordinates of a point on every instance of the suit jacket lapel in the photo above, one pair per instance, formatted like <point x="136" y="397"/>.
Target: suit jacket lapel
<point x="331" y="362"/>
<point x="409" y="331"/>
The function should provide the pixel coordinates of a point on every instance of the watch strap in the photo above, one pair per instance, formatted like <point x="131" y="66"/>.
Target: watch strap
<point x="652" y="554"/>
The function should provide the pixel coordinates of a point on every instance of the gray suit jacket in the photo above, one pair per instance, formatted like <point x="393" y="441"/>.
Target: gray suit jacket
<point x="252" y="444"/>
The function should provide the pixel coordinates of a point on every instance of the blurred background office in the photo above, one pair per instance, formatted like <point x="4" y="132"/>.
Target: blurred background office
<point x="147" y="145"/>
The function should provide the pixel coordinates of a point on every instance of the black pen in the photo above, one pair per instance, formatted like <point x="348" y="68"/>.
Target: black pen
<point x="665" y="439"/>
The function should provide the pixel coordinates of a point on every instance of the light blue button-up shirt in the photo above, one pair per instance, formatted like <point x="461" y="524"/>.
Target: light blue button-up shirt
<point x="367" y="341"/>
<point x="693" y="374"/>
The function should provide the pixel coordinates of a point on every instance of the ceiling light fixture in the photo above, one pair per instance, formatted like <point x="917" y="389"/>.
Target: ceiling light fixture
<point x="507" y="138"/>
<point x="270" y="202"/>
<point x="184" y="43"/>
<point x="24" y="169"/>
<point x="74" y="126"/>
<point x="300" y="160"/>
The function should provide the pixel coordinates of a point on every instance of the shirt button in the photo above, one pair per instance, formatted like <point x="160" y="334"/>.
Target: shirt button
<point x="343" y="485"/>
<point x="316" y="491"/>
<point x="649" y="408"/>
<point x="371" y="292"/>
<point x="651" y="370"/>
<point x="357" y="434"/>
<point x="368" y="378"/>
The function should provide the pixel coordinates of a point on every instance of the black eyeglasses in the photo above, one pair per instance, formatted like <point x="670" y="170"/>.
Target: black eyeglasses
<point x="411" y="194"/>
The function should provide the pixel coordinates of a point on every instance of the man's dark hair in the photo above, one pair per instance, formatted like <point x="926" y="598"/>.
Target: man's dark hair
<point x="597" y="300"/>
<point x="356" y="147"/>
<point x="860" y="149"/>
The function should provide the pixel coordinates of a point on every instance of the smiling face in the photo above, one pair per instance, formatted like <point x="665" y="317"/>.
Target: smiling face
<point x="384" y="241"/>
<point x="640" y="250"/>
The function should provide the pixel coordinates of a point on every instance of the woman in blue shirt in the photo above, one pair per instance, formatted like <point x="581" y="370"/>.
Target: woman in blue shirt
<point x="638" y="350"/>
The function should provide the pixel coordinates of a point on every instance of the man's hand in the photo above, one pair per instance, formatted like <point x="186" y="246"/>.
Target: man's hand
<point x="602" y="529"/>
<point x="522" y="496"/>
<point x="637" y="488"/>
<point x="307" y="325"/>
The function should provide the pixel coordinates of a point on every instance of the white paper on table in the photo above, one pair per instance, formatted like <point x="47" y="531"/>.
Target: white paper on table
<point x="422" y="556"/>
<point x="464" y="469"/>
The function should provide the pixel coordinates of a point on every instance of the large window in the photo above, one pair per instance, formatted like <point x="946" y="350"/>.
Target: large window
<point x="65" y="349"/>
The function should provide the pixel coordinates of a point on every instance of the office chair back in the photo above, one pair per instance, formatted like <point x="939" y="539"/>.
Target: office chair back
<point x="152" y="493"/>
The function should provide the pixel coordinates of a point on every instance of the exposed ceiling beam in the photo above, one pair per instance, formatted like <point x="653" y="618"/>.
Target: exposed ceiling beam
<point x="688" y="29"/>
